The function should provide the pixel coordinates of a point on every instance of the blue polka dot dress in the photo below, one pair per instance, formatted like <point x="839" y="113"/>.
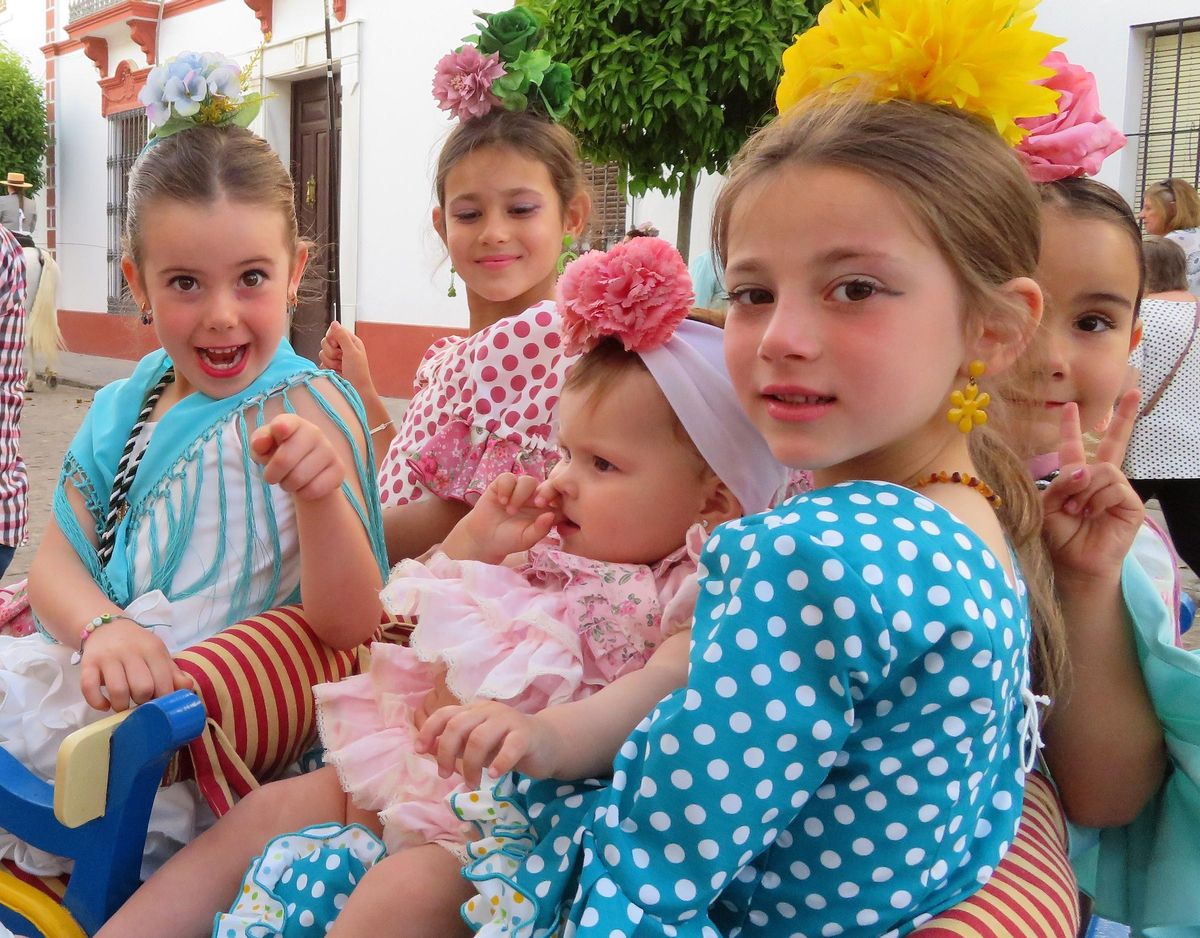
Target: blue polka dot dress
<point x="845" y="759"/>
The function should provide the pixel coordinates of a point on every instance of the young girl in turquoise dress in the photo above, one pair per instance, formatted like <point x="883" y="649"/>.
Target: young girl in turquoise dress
<point x="251" y="482"/>
<point x="849" y="752"/>
<point x="510" y="197"/>
<point x="1121" y="744"/>
<point x="588" y="624"/>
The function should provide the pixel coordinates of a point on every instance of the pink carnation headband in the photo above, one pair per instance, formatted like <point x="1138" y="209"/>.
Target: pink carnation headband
<point x="639" y="293"/>
<point x="1074" y="140"/>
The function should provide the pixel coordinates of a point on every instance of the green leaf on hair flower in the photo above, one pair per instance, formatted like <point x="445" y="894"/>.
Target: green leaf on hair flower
<point x="509" y="32"/>
<point x="248" y="110"/>
<point x="533" y="65"/>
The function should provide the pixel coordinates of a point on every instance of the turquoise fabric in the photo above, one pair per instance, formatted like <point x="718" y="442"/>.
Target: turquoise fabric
<point x="1147" y="874"/>
<point x="169" y="470"/>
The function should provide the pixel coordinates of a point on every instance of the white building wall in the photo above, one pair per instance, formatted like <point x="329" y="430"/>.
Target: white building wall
<point x="394" y="266"/>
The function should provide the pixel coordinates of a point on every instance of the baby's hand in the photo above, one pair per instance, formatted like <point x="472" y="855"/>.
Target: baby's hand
<point x="488" y="734"/>
<point x="298" y="457"/>
<point x="342" y="351"/>
<point x="1092" y="513"/>
<point x="511" y="516"/>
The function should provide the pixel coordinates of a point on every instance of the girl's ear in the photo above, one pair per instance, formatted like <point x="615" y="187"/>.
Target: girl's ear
<point x="1135" y="338"/>
<point x="1002" y="341"/>
<point x="299" y="262"/>
<point x="576" y="215"/>
<point x="720" y="504"/>
<point x="439" y="222"/>
<point x="136" y="286"/>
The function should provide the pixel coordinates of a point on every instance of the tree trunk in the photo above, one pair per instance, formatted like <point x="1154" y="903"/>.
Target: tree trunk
<point x="687" y="196"/>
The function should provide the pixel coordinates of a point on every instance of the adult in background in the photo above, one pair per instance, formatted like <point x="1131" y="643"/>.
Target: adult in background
<point x="16" y="214"/>
<point x="1163" y="459"/>
<point x="14" y="485"/>
<point x="1171" y="209"/>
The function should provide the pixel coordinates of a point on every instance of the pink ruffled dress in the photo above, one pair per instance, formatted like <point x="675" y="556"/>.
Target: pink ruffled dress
<point x="556" y="628"/>
<point x="481" y="405"/>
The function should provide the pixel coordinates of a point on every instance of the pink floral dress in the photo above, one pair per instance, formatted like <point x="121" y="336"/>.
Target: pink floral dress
<point x="556" y="628"/>
<point x="481" y="405"/>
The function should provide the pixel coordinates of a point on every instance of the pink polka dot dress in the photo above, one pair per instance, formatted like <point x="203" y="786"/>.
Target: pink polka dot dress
<point x="482" y="405"/>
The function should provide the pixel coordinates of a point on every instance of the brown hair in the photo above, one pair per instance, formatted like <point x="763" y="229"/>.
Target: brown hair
<point x="1086" y="198"/>
<point x="968" y="191"/>
<point x="550" y="144"/>
<point x="1178" y="202"/>
<point x="597" y="369"/>
<point x="1166" y="265"/>
<point x="203" y="164"/>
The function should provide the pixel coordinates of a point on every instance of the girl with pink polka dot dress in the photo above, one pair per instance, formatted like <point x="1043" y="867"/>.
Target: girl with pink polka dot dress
<point x="509" y="195"/>
<point x="849" y="753"/>
<point x="544" y="606"/>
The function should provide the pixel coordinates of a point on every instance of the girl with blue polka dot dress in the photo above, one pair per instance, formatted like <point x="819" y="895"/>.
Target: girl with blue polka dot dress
<point x="849" y="753"/>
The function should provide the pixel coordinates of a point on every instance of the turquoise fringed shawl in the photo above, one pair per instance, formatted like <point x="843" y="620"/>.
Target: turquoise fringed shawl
<point x="1147" y="873"/>
<point x="171" y="473"/>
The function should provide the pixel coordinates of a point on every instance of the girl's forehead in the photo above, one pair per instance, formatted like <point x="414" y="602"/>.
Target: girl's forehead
<point x="495" y="168"/>
<point x="206" y="233"/>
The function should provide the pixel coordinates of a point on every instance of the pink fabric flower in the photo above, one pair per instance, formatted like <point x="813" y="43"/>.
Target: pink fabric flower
<point x="1077" y="139"/>
<point x="462" y="83"/>
<point x="638" y="293"/>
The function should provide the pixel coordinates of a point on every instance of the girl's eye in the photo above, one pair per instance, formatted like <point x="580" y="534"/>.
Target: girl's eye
<point x="1094" y="322"/>
<point x="750" y="296"/>
<point x="601" y="464"/>
<point x="854" y="291"/>
<point x="524" y="208"/>
<point x="254" y="278"/>
<point x="185" y="284"/>
<point x="466" y="216"/>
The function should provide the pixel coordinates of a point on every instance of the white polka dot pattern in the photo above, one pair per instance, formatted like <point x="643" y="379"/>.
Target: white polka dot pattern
<point x="844" y="760"/>
<point x="499" y="386"/>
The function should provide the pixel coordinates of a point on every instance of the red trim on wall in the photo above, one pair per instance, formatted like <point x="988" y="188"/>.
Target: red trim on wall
<point x="106" y="335"/>
<point x="395" y="350"/>
<point x="130" y="9"/>
<point x="144" y="33"/>
<point x="263" y="9"/>
<point x="96" y="49"/>
<point x="339" y="9"/>
<point x="120" y="93"/>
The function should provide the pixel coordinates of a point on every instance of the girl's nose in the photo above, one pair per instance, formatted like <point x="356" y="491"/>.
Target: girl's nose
<point x="790" y="333"/>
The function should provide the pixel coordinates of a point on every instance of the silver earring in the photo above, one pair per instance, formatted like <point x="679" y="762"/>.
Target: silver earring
<point x="704" y="523"/>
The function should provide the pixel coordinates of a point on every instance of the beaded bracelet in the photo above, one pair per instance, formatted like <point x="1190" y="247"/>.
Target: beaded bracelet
<point x="86" y="632"/>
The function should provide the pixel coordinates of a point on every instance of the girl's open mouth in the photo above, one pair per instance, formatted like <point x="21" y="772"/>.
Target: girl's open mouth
<point x="224" y="362"/>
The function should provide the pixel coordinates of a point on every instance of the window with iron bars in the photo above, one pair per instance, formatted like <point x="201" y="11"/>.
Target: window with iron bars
<point x="127" y="132"/>
<point x="608" y="204"/>
<point x="1168" y="138"/>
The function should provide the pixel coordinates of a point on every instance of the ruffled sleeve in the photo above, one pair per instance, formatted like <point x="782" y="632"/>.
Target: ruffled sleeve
<point x="490" y="409"/>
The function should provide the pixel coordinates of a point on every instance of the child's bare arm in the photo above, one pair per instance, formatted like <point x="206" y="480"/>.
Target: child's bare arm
<point x="344" y="352"/>
<point x="308" y="457"/>
<point x="124" y="663"/>
<point x="574" y="740"/>
<point x="1092" y="515"/>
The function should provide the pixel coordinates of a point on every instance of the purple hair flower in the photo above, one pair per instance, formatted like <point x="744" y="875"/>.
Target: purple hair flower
<point x="463" y="82"/>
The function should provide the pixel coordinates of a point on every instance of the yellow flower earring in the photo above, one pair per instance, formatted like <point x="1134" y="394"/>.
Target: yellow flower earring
<point x="968" y="407"/>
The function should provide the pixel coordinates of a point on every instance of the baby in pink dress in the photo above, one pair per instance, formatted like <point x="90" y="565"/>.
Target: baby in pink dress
<point x="548" y="595"/>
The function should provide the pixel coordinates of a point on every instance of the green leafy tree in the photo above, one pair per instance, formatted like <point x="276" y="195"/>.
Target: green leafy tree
<point x="22" y="120"/>
<point x="670" y="88"/>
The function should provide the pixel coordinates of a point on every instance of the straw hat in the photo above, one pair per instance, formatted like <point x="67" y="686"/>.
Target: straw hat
<point x="17" y="180"/>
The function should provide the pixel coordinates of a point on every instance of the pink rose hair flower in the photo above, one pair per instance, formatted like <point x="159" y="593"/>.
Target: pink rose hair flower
<point x="463" y="81"/>
<point x="1076" y="139"/>
<point x="638" y="292"/>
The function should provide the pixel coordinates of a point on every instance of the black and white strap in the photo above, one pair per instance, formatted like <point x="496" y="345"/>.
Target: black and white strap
<point x="126" y="469"/>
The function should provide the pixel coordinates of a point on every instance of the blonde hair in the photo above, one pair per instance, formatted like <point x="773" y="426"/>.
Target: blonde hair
<point x="1178" y="202"/>
<point x="969" y="192"/>
<point x="1166" y="265"/>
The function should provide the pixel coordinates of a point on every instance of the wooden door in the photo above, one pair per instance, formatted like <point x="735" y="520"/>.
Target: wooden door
<point x="310" y="174"/>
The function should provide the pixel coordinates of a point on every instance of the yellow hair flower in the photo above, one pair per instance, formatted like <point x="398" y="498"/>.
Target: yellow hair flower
<point x="982" y="56"/>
